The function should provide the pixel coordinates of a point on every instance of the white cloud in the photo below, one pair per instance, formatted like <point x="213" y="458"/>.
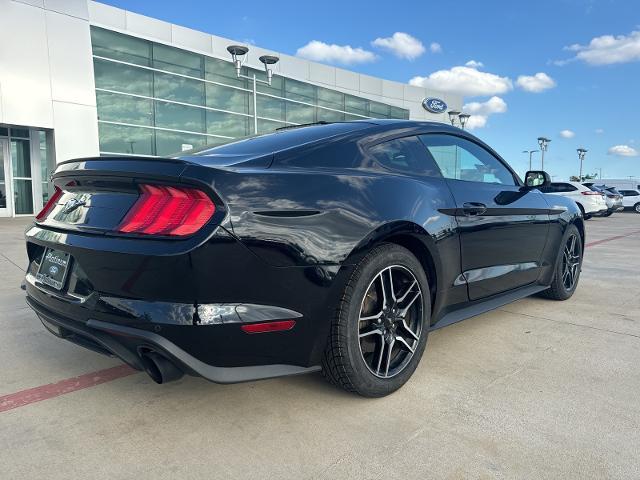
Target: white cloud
<point x="480" y="111"/>
<point x="599" y="131"/>
<point x="474" y="64"/>
<point x="402" y="45"/>
<point x="466" y="81"/>
<point x="435" y="47"/>
<point x="567" y="134"/>
<point x="535" y="83"/>
<point x="623" y="151"/>
<point x="324" y="52"/>
<point x="608" y="49"/>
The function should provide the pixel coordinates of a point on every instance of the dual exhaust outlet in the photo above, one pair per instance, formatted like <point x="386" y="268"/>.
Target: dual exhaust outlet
<point x="159" y="368"/>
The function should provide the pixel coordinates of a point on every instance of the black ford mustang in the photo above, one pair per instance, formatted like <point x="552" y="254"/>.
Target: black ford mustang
<point x="333" y="247"/>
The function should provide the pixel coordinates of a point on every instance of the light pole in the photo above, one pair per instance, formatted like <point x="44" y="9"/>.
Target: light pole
<point x="581" y="153"/>
<point x="530" y="152"/>
<point x="238" y="53"/>
<point x="453" y="114"/>
<point x="463" y="117"/>
<point x="544" y="144"/>
<point x="599" y="172"/>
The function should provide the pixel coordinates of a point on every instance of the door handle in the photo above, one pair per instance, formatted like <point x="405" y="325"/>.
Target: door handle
<point x="473" y="208"/>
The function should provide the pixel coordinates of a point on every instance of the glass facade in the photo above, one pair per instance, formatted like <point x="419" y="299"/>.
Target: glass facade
<point x="156" y="100"/>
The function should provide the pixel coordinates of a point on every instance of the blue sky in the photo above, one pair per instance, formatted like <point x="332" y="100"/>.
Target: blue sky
<point x="590" y="90"/>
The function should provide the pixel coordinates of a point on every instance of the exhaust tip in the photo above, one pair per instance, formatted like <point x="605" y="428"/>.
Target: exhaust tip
<point x="159" y="368"/>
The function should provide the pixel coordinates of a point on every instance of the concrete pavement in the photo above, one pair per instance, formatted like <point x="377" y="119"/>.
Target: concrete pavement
<point x="537" y="389"/>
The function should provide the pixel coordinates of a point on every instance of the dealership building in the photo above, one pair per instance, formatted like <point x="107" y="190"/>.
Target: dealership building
<point x="80" y="78"/>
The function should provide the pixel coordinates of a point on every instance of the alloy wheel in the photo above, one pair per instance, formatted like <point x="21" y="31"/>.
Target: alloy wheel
<point x="571" y="259"/>
<point x="637" y="207"/>
<point x="390" y="321"/>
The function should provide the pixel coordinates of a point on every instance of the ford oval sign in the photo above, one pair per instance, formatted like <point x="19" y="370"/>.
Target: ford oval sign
<point x="434" y="105"/>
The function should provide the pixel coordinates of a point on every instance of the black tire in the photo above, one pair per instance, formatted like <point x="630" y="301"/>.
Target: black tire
<point x="346" y="362"/>
<point x="559" y="289"/>
<point x="636" y="207"/>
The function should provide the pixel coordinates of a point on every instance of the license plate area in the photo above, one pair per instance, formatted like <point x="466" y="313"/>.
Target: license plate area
<point x="53" y="268"/>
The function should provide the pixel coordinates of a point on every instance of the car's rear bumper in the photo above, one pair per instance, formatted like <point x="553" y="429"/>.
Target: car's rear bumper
<point x="189" y="305"/>
<point x="129" y="344"/>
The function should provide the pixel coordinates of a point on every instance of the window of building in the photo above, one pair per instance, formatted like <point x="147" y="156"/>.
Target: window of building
<point x="124" y="108"/>
<point x="300" y="113"/>
<point x="122" y="78"/>
<point x="110" y="44"/>
<point x="137" y="81"/>
<point x="461" y="159"/>
<point x="221" y="123"/>
<point x="125" y="139"/>
<point x="226" y="98"/>
<point x="180" y="89"/>
<point x="175" y="60"/>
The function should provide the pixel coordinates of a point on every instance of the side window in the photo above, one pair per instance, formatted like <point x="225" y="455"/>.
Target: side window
<point x="406" y="155"/>
<point x="461" y="159"/>
<point x="567" y="187"/>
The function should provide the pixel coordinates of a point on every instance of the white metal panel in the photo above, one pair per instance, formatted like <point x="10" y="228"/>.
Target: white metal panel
<point x="191" y="39"/>
<point x="370" y="85"/>
<point x="76" y="132"/>
<point x="416" y="112"/>
<point x="294" y="67"/>
<point x="322" y="73"/>
<point x="70" y="59"/>
<point x="75" y="8"/>
<point x="35" y="3"/>
<point x="107" y="16"/>
<point x="24" y="76"/>
<point x="393" y="90"/>
<point x="413" y="93"/>
<point x="148" y="27"/>
<point x="347" y="79"/>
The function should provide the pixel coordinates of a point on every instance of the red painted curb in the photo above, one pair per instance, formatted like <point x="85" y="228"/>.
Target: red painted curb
<point x="45" y="392"/>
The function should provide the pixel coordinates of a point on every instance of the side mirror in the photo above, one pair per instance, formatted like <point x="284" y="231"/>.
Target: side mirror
<point x="537" y="179"/>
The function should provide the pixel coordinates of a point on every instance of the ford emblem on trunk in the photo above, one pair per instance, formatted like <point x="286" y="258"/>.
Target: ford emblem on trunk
<point x="72" y="204"/>
<point x="434" y="105"/>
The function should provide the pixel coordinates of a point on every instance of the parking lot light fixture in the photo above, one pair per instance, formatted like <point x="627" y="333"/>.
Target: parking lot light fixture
<point x="530" y="152"/>
<point x="581" y="153"/>
<point x="544" y="145"/>
<point x="453" y="114"/>
<point x="238" y="53"/>
<point x="463" y="117"/>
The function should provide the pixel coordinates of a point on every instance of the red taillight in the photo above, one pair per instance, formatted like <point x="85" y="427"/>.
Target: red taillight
<point x="278" y="326"/>
<point x="165" y="210"/>
<point x="589" y="192"/>
<point x="49" y="205"/>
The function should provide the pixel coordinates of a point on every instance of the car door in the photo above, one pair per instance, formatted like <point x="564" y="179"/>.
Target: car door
<point x="630" y="197"/>
<point x="503" y="226"/>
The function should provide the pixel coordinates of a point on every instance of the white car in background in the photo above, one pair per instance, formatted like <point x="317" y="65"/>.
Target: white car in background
<point x="590" y="203"/>
<point x="631" y="199"/>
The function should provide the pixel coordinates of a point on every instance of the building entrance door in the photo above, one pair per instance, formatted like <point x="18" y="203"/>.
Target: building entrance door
<point x="5" y="184"/>
<point x="21" y="173"/>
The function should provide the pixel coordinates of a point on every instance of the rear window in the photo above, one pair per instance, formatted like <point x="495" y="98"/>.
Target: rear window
<point x="283" y="139"/>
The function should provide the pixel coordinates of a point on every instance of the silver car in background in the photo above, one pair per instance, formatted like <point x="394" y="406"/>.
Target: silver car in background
<point x="611" y="196"/>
